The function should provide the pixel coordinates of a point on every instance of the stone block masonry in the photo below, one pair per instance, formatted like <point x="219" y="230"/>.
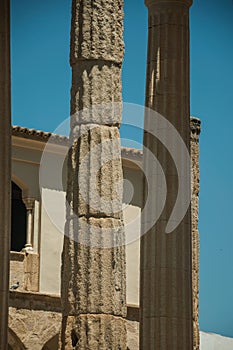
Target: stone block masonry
<point x="93" y="261"/>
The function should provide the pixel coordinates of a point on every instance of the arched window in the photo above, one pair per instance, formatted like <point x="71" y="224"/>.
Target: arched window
<point x="18" y="219"/>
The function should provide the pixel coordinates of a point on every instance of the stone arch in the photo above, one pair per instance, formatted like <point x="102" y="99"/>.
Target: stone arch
<point x="40" y="325"/>
<point x="52" y="344"/>
<point x="14" y="343"/>
<point x="21" y="184"/>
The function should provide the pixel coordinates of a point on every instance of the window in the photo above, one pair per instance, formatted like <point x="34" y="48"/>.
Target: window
<point x="18" y="219"/>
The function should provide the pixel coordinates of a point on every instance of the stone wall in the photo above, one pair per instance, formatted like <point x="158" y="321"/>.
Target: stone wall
<point x="17" y="262"/>
<point x="35" y="321"/>
<point x="24" y="268"/>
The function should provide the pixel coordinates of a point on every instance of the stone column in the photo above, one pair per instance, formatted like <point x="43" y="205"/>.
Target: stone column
<point x="5" y="166"/>
<point x="195" y="132"/>
<point x="166" y="258"/>
<point x="29" y="203"/>
<point x="93" y="259"/>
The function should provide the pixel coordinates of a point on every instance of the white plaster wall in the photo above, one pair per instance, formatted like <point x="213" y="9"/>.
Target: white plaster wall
<point x="52" y="228"/>
<point x="132" y="216"/>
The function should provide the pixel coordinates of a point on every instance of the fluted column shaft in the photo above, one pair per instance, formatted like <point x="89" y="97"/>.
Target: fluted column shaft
<point x="93" y="259"/>
<point x="5" y="168"/>
<point x="166" y="258"/>
<point x="195" y="132"/>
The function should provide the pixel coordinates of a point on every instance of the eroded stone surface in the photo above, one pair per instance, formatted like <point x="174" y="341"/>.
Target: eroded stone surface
<point x="93" y="270"/>
<point x="31" y="278"/>
<point x="24" y="268"/>
<point x="99" y="332"/>
<point x="104" y="289"/>
<point x="17" y="269"/>
<point x="95" y="179"/>
<point x="96" y="93"/>
<point x="34" y="327"/>
<point x="97" y="30"/>
<point x="195" y="131"/>
<point x="132" y="335"/>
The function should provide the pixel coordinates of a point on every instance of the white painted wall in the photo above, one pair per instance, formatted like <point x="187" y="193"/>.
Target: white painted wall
<point x="132" y="230"/>
<point x="210" y="341"/>
<point x="52" y="228"/>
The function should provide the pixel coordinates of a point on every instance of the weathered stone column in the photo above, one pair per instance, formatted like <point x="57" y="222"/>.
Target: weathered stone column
<point x="5" y="166"/>
<point x="29" y="203"/>
<point x="93" y="259"/>
<point x="195" y="132"/>
<point x="166" y="258"/>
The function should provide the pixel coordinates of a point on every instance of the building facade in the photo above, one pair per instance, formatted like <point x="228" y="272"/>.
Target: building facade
<point x="37" y="238"/>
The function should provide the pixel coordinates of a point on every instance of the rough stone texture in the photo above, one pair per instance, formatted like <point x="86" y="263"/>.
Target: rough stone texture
<point x="96" y="330"/>
<point x="66" y="340"/>
<point x="93" y="272"/>
<point x="97" y="153"/>
<point x="24" y="268"/>
<point x="97" y="31"/>
<point x="31" y="278"/>
<point x="96" y="56"/>
<point x="99" y="332"/>
<point x="35" y="301"/>
<point x="34" y="327"/>
<point x="104" y="289"/>
<point x="166" y="259"/>
<point x="35" y="321"/>
<point x="17" y="268"/>
<point x="36" y="308"/>
<point x="195" y="132"/>
<point x="96" y="93"/>
<point x="132" y="335"/>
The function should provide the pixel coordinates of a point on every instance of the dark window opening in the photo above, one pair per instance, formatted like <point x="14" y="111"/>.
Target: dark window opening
<point x="18" y="219"/>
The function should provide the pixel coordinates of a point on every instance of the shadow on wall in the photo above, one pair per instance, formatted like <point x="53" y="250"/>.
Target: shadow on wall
<point x="14" y="342"/>
<point x="52" y="344"/>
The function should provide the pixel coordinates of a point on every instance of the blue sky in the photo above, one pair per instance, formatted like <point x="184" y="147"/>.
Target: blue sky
<point x="40" y="99"/>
